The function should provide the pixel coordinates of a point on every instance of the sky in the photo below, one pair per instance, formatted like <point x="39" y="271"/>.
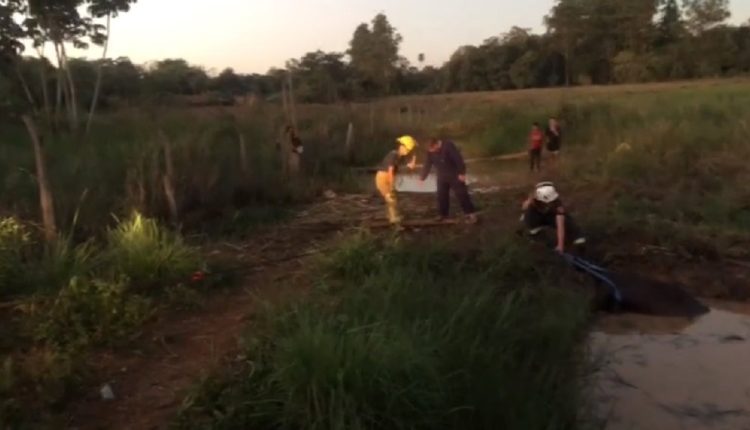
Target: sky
<point x="255" y="35"/>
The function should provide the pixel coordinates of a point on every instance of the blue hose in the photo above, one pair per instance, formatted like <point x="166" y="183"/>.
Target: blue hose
<point x="597" y="272"/>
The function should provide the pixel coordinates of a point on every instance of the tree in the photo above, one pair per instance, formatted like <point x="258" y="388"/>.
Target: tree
<point x="523" y="71"/>
<point x="101" y="9"/>
<point x="670" y="22"/>
<point x="320" y="77"/>
<point x="11" y="47"/>
<point x="629" y="67"/>
<point x="564" y="23"/>
<point x="703" y="15"/>
<point x="229" y="83"/>
<point x="176" y="77"/>
<point x="374" y="54"/>
<point x="60" y="23"/>
<point x="121" y="79"/>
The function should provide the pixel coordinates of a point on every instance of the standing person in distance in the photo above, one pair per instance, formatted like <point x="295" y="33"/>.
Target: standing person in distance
<point x="451" y="175"/>
<point x="385" y="178"/>
<point x="536" y="143"/>
<point x="554" y="136"/>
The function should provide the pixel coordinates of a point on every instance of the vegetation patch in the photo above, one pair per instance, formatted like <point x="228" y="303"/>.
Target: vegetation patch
<point x="395" y="337"/>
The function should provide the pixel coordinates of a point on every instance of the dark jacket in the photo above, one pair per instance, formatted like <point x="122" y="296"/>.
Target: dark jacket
<point x="448" y="161"/>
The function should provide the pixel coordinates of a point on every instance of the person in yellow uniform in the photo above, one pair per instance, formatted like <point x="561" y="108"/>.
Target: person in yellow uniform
<point x="385" y="179"/>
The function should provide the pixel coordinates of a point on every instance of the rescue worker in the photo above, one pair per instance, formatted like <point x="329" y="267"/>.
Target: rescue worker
<point x="385" y="178"/>
<point x="544" y="208"/>
<point x="451" y="174"/>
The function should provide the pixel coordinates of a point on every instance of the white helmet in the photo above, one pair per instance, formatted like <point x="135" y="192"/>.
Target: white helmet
<point x="546" y="192"/>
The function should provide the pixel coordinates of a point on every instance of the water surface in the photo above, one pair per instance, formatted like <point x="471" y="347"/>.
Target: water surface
<point x="671" y="374"/>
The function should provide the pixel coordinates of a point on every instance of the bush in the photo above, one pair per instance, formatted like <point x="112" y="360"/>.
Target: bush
<point x="60" y="262"/>
<point x="91" y="312"/>
<point x="150" y="255"/>
<point x="14" y="239"/>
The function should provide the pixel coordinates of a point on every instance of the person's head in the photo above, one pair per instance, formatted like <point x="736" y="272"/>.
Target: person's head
<point x="434" y="144"/>
<point x="535" y="126"/>
<point x="553" y="122"/>
<point x="545" y="194"/>
<point x="406" y="145"/>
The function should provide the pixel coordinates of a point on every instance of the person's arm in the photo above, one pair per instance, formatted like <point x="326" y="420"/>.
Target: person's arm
<point x="413" y="163"/>
<point x="527" y="203"/>
<point x="392" y="176"/>
<point x="426" y="168"/>
<point x="560" y="221"/>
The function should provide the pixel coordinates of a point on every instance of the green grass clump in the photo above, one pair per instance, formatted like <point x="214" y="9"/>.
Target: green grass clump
<point x="425" y="338"/>
<point x="91" y="313"/>
<point x="148" y="254"/>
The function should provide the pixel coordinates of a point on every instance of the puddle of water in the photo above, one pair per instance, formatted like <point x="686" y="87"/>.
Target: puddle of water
<point x="484" y="177"/>
<point x="413" y="184"/>
<point x="685" y="376"/>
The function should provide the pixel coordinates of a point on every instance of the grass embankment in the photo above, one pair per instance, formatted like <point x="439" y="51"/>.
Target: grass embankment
<point x="667" y="167"/>
<point x="409" y="336"/>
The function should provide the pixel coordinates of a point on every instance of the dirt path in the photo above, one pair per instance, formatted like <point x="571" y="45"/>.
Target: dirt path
<point x="150" y="382"/>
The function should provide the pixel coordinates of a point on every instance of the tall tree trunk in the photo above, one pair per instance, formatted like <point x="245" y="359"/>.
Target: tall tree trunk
<point x="350" y="142"/>
<point x="285" y="103"/>
<point x="72" y="90"/>
<point x="43" y="78"/>
<point x="568" y="67"/>
<point x="292" y="110"/>
<point x="372" y="119"/>
<point x="26" y="90"/>
<point x="59" y="83"/>
<point x="99" y="70"/>
<point x="168" y="178"/>
<point x="45" y="194"/>
<point x="245" y="168"/>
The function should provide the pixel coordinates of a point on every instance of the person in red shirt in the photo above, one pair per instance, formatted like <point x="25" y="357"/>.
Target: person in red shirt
<point x="536" y="142"/>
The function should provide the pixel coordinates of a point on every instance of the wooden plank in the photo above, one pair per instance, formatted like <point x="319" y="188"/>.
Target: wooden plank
<point x="414" y="224"/>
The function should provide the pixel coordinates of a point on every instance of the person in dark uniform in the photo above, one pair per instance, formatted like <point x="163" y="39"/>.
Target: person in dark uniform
<point x="553" y="134"/>
<point x="544" y="208"/>
<point x="451" y="175"/>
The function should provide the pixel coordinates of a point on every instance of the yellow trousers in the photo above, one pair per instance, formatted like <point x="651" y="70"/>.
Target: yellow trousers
<point x="385" y="187"/>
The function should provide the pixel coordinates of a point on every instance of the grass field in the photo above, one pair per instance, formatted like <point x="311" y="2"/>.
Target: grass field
<point x="662" y="164"/>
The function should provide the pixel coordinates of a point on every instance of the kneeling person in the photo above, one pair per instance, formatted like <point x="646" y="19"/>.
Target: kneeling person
<point x="544" y="208"/>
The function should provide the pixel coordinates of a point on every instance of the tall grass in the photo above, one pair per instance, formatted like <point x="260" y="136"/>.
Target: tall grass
<point x="682" y="169"/>
<point x="405" y="337"/>
<point x="149" y="255"/>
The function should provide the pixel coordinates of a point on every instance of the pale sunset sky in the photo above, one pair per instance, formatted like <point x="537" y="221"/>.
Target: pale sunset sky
<point x="255" y="35"/>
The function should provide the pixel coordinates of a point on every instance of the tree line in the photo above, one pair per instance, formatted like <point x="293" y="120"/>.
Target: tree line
<point x="586" y="42"/>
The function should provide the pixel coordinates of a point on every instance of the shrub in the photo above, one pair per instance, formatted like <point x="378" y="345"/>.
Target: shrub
<point x="91" y="312"/>
<point x="150" y="255"/>
<point x="61" y="261"/>
<point x="14" y="239"/>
